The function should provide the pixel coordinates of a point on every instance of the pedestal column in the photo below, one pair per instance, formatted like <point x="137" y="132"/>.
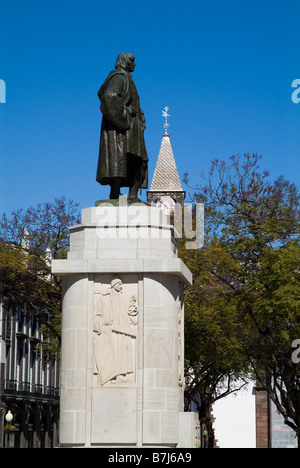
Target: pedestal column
<point x="122" y="330"/>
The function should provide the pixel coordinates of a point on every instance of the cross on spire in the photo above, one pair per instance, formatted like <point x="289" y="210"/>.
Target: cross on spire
<point x="166" y="115"/>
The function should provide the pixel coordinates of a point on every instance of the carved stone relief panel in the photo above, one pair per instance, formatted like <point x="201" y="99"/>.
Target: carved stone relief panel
<point x="115" y="328"/>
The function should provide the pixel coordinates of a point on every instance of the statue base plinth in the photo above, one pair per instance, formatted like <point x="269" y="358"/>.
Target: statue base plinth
<point x="122" y="381"/>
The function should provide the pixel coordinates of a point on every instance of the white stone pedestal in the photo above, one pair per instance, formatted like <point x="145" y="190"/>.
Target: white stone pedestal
<point x="122" y="331"/>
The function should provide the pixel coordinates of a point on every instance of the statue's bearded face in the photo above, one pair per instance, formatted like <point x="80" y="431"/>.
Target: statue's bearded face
<point x="130" y="63"/>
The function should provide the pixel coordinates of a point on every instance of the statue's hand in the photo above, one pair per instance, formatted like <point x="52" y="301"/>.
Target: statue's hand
<point x="132" y="111"/>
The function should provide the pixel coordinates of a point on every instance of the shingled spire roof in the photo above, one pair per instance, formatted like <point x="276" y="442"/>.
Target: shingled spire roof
<point x="165" y="178"/>
<point x="166" y="184"/>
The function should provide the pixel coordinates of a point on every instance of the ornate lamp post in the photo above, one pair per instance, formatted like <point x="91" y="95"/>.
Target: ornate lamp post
<point x="8" y="428"/>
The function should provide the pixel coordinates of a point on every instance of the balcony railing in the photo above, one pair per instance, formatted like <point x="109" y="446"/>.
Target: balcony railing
<point x="19" y="388"/>
<point x="10" y="385"/>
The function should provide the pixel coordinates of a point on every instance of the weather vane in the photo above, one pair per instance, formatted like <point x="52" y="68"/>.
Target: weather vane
<point x="166" y="115"/>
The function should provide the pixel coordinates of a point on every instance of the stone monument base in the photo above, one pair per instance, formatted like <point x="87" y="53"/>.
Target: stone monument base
<point x="122" y="381"/>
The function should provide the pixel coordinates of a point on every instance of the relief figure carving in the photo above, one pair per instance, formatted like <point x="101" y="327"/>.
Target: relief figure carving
<point x="115" y="331"/>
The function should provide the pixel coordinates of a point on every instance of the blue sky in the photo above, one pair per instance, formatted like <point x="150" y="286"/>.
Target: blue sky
<point x="224" y="68"/>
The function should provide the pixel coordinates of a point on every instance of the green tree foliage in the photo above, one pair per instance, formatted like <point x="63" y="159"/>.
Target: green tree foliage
<point x="29" y="240"/>
<point x="215" y="363"/>
<point x="255" y="224"/>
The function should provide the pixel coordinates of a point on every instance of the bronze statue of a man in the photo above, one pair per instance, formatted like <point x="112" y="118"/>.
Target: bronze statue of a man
<point x="123" y="160"/>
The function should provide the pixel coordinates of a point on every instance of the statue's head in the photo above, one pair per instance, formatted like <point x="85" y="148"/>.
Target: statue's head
<point x="125" y="61"/>
<point x="116" y="284"/>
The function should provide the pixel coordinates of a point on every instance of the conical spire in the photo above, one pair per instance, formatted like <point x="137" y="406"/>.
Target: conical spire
<point x="166" y="182"/>
<point x="165" y="178"/>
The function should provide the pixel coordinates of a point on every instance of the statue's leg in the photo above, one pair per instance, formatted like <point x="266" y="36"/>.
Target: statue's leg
<point x="115" y="187"/>
<point x="134" y="178"/>
<point x="133" y="190"/>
